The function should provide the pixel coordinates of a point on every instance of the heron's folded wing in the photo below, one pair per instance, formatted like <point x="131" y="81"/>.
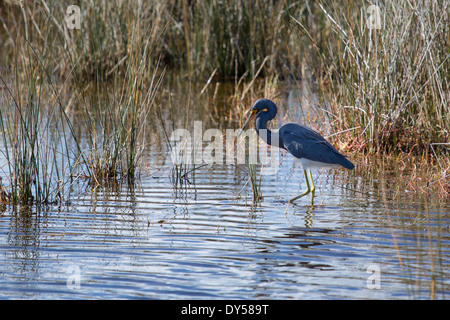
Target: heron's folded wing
<point x="305" y="143"/>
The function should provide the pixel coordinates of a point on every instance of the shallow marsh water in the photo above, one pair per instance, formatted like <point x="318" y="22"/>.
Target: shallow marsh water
<point x="205" y="240"/>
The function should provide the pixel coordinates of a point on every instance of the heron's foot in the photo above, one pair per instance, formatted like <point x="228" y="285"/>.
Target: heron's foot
<point x="308" y="188"/>
<point x="308" y="191"/>
<point x="301" y="195"/>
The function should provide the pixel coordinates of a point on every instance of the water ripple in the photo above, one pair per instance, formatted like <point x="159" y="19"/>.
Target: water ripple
<point x="205" y="240"/>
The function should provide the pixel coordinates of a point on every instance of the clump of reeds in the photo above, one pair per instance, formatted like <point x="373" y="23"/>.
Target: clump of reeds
<point x="116" y="51"/>
<point x="172" y="115"/>
<point x="36" y="135"/>
<point x="255" y="183"/>
<point x="115" y="118"/>
<point x="41" y="150"/>
<point x="389" y="79"/>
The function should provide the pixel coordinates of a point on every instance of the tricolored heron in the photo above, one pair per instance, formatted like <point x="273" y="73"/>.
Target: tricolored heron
<point x="305" y="144"/>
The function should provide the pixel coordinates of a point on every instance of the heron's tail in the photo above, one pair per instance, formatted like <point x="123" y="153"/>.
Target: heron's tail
<point x="346" y="163"/>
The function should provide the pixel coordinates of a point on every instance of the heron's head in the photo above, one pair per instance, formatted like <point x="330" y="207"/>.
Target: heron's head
<point x="261" y="106"/>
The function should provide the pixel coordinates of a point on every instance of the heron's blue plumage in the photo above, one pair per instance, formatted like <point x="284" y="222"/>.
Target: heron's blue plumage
<point x="300" y="141"/>
<point x="303" y="143"/>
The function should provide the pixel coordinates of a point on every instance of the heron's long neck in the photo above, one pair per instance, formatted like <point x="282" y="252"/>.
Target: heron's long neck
<point x="265" y="134"/>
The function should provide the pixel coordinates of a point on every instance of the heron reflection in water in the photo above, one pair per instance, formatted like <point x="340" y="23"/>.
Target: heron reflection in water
<point x="312" y="150"/>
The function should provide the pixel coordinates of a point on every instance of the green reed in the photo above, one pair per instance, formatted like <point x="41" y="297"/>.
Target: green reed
<point x="255" y="183"/>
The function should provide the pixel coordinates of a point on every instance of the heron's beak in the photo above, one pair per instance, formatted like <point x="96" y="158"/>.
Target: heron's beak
<point x="244" y="127"/>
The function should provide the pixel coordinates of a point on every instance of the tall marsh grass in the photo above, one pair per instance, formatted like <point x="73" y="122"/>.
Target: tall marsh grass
<point x="49" y="93"/>
<point x="390" y="85"/>
<point x="37" y="139"/>
<point x="193" y="37"/>
<point x="115" y="118"/>
<point x="384" y="90"/>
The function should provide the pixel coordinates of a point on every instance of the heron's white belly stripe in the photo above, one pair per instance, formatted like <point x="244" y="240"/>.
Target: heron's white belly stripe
<point x="310" y="164"/>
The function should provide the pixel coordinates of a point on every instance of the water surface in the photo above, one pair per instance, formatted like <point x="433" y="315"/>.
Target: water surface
<point x="205" y="240"/>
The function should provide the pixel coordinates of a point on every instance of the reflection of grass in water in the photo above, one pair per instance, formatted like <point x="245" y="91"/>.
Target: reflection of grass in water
<point x="254" y="178"/>
<point x="420" y="259"/>
<point x="179" y="175"/>
<point x="416" y="224"/>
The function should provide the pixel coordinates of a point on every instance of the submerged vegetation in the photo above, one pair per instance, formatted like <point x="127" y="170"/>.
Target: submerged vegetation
<point x="383" y="89"/>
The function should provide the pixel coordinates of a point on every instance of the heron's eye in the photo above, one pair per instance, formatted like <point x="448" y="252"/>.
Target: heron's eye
<point x="265" y="110"/>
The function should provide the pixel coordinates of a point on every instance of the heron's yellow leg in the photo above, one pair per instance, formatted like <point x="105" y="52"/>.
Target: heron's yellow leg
<point x="313" y="188"/>
<point x="308" y="188"/>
